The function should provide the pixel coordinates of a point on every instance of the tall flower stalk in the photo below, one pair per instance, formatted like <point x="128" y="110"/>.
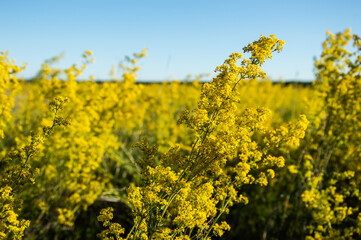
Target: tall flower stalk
<point x="184" y="194"/>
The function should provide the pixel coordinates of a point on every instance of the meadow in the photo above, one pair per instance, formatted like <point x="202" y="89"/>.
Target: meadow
<point x="238" y="157"/>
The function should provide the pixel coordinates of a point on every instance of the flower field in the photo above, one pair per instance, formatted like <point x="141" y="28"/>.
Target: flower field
<point x="238" y="157"/>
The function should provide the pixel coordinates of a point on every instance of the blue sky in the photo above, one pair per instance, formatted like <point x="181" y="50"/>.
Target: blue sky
<point x="183" y="37"/>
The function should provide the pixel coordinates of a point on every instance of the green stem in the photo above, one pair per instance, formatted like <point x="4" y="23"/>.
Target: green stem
<point x="171" y="198"/>
<point x="216" y="219"/>
<point x="28" y="155"/>
<point x="136" y="226"/>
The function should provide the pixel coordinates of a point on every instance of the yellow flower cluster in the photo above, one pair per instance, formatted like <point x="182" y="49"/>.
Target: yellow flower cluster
<point x="114" y="231"/>
<point x="16" y="170"/>
<point x="184" y="195"/>
<point x="333" y="171"/>
<point x="8" y="87"/>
